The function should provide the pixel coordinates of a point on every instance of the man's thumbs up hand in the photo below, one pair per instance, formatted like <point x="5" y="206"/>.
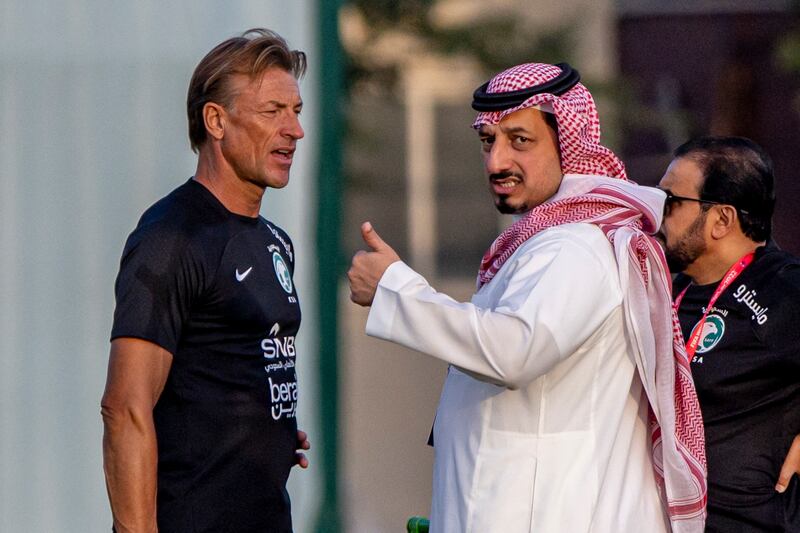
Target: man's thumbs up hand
<point x="367" y="268"/>
<point x="372" y="239"/>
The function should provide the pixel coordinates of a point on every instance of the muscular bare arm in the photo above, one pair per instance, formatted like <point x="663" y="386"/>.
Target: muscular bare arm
<point x="137" y="372"/>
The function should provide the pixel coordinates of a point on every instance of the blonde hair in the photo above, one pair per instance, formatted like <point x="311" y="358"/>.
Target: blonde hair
<point x="255" y="51"/>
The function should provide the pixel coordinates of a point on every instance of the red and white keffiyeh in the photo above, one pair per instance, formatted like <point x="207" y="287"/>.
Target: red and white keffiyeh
<point x="616" y="207"/>
<point x="576" y="114"/>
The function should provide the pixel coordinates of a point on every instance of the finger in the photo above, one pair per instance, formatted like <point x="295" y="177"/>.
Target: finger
<point x="790" y="466"/>
<point x="355" y="262"/>
<point x="301" y="460"/>
<point x="302" y="436"/>
<point x="783" y="479"/>
<point x="372" y="238"/>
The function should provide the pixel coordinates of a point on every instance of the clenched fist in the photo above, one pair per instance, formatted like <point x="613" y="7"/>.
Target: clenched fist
<point x="368" y="267"/>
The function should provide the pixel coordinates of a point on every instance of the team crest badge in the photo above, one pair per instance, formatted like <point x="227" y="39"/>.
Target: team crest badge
<point x="282" y="272"/>
<point x="713" y="330"/>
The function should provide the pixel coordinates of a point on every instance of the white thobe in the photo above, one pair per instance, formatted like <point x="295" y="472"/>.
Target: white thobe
<point x="541" y="424"/>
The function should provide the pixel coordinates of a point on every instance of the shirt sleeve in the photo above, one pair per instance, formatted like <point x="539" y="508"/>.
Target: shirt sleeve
<point x="158" y="280"/>
<point x="781" y="333"/>
<point x="555" y="294"/>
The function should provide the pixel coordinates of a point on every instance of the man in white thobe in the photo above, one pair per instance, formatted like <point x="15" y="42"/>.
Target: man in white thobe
<point x="568" y="405"/>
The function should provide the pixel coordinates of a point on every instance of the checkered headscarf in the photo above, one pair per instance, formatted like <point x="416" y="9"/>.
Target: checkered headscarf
<point x="576" y="115"/>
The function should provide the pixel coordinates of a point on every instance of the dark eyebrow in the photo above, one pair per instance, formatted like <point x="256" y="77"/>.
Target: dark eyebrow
<point x="516" y="130"/>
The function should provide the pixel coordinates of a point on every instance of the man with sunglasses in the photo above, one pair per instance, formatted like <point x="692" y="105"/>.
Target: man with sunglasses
<point x="738" y="301"/>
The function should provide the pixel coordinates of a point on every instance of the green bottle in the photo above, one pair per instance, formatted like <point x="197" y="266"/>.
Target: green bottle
<point x="417" y="524"/>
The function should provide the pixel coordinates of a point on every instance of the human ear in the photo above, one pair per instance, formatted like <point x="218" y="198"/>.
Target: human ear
<point x="214" y="120"/>
<point x="726" y="221"/>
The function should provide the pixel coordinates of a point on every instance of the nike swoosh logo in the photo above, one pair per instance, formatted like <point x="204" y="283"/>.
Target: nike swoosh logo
<point x="240" y="277"/>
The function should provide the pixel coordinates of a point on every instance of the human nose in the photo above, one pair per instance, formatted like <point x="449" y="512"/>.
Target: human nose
<point x="293" y="129"/>
<point x="496" y="159"/>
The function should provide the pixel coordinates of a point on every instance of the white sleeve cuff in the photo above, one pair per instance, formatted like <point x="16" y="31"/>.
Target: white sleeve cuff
<point x="384" y="305"/>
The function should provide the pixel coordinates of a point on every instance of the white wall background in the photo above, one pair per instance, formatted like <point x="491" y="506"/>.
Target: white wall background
<point x="92" y="131"/>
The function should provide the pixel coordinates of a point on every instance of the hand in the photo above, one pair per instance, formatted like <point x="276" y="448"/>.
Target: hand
<point x="300" y="458"/>
<point x="367" y="268"/>
<point x="791" y="465"/>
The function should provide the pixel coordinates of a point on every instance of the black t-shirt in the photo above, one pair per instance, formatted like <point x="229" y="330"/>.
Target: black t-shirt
<point x="215" y="289"/>
<point x="747" y="374"/>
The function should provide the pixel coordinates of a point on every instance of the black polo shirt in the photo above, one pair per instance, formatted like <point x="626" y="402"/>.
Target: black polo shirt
<point x="747" y="374"/>
<point x="215" y="289"/>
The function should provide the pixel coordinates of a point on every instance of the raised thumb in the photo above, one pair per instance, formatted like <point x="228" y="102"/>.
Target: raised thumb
<point x="371" y="237"/>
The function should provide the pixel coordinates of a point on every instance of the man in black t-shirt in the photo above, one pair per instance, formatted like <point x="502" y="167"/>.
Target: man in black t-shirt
<point x="738" y="299"/>
<point x="201" y="397"/>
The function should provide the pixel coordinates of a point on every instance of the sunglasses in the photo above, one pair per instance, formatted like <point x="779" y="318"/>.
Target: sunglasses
<point x="672" y="199"/>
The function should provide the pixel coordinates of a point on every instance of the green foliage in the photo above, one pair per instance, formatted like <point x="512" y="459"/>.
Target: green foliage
<point x="381" y="15"/>
<point x="787" y="49"/>
<point x="501" y="42"/>
<point x="494" y="42"/>
<point x="787" y="52"/>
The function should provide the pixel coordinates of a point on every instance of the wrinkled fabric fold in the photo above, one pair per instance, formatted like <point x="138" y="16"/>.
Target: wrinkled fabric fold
<point x="627" y="214"/>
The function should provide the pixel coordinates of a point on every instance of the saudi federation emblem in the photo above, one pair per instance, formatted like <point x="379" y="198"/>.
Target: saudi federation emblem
<point x="713" y="330"/>
<point x="282" y="272"/>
